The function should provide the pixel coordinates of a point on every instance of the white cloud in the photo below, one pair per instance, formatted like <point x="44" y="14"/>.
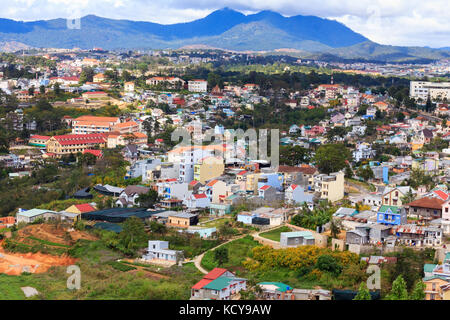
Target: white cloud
<point x="396" y="22"/>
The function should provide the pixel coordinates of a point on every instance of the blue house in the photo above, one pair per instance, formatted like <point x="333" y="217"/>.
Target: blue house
<point x="272" y="179"/>
<point x="391" y="215"/>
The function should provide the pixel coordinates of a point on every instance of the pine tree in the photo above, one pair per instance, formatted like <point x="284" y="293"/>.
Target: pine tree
<point x="418" y="292"/>
<point x="398" y="291"/>
<point x="363" y="293"/>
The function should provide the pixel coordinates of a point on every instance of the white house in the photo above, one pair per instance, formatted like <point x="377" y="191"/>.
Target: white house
<point x="295" y="194"/>
<point x="197" y="201"/>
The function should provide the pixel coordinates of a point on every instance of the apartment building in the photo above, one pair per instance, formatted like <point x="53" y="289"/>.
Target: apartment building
<point x="189" y="156"/>
<point x="209" y="168"/>
<point x="330" y="187"/>
<point x="434" y="90"/>
<point x="198" y="85"/>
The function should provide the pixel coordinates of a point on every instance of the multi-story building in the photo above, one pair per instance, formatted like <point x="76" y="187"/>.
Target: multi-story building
<point x="171" y="82"/>
<point x="93" y="124"/>
<point x="330" y="187"/>
<point x="198" y="85"/>
<point x="434" y="90"/>
<point x="208" y="168"/>
<point x="74" y="143"/>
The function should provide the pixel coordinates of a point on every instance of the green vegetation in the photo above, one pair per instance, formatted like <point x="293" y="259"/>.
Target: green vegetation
<point x="238" y="251"/>
<point x="274" y="234"/>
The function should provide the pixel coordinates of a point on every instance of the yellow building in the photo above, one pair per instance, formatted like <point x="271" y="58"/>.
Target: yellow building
<point x="208" y="169"/>
<point x="436" y="288"/>
<point x="252" y="182"/>
<point x="330" y="187"/>
<point x="74" y="143"/>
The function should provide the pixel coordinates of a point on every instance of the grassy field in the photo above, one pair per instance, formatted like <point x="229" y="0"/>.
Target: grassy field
<point x="215" y="223"/>
<point x="274" y="234"/>
<point x="238" y="251"/>
<point x="102" y="277"/>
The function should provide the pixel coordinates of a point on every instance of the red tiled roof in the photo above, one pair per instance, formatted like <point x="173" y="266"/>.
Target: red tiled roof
<point x="85" y="207"/>
<point x="200" y="196"/>
<point x="74" y="139"/>
<point x="432" y="203"/>
<point x="211" y="183"/>
<point x="264" y="187"/>
<point x="215" y="273"/>
<point x="201" y="283"/>
<point x="441" y="194"/>
<point x="97" y="153"/>
<point x="36" y="136"/>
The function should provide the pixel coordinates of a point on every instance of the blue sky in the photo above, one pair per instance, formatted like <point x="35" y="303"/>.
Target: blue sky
<point x="395" y="22"/>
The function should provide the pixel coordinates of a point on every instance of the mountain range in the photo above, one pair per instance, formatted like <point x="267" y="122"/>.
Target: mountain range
<point x="307" y="36"/>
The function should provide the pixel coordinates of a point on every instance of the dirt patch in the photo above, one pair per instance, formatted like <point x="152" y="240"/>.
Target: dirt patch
<point x="54" y="233"/>
<point x="148" y="274"/>
<point x="16" y="263"/>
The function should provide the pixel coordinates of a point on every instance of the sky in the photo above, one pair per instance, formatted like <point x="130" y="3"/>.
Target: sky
<point x="392" y="22"/>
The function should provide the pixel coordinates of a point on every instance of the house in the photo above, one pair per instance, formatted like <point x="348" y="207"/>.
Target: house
<point x="130" y="152"/>
<point x="197" y="200"/>
<point x="219" y="209"/>
<point x="38" y="140"/>
<point x="264" y="216"/>
<point x="28" y="216"/>
<point x="158" y="251"/>
<point x="357" y="236"/>
<point x="426" y="208"/>
<point x="214" y="189"/>
<point x="6" y="222"/>
<point x="129" y="86"/>
<point x="296" y="195"/>
<point x="182" y="220"/>
<point x="128" y="197"/>
<point x="96" y="153"/>
<point x="218" y="284"/>
<point x="172" y="189"/>
<point x="393" y="196"/>
<point x="436" y="287"/>
<point x="98" y="78"/>
<point x="391" y="215"/>
<point x="115" y="139"/>
<point x="363" y="151"/>
<point x="108" y="190"/>
<point x="204" y="233"/>
<point x="268" y="193"/>
<point x="446" y="210"/>
<point x="295" y="239"/>
<point x="413" y="235"/>
<point x="276" y="291"/>
<point x="81" y="208"/>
